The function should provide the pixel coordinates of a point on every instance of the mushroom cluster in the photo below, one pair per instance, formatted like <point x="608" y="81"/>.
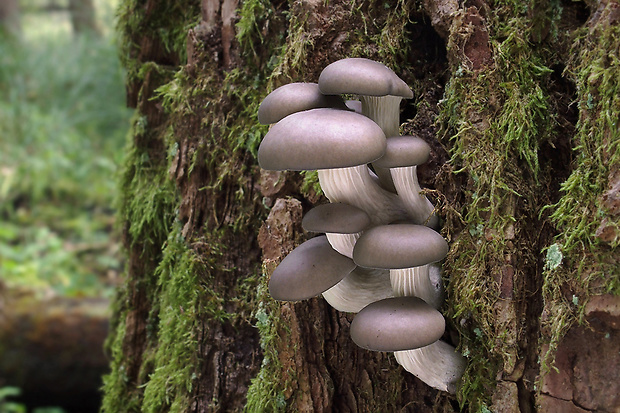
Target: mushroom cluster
<point x="378" y="257"/>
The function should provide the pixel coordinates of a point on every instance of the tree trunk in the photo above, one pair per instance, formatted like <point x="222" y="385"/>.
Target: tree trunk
<point x="83" y="17"/>
<point x="519" y="102"/>
<point x="9" y="17"/>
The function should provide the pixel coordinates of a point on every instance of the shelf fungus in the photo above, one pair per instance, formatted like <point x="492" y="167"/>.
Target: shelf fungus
<point x="380" y="255"/>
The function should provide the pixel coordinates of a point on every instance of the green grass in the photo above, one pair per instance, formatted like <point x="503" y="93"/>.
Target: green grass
<point x="63" y="123"/>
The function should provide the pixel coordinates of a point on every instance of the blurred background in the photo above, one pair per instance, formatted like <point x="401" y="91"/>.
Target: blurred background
<point x="63" y="125"/>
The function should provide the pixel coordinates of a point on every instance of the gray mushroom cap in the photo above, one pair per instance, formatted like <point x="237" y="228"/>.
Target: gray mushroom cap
<point x="396" y="324"/>
<point x="399" y="246"/>
<point x="321" y="139"/>
<point x="292" y="98"/>
<point x="401" y="151"/>
<point x="363" y="77"/>
<point x="336" y="218"/>
<point x="310" y="269"/>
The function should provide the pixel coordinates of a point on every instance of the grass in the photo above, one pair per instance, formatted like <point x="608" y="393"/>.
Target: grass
<point x="63" y="123"/>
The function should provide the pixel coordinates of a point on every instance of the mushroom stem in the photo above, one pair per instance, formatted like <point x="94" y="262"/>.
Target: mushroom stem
<point x="385" y="112"/>
<point x="416" y="281"/>
<point x="439" y="365"/>
<point x="408" y="188"/>
<point x="343" y="243"/>
<point x="360" y="288"/>
<point x="355" y="186"/>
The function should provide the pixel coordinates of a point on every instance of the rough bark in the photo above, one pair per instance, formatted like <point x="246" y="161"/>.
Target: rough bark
<point x="194" y="327"/>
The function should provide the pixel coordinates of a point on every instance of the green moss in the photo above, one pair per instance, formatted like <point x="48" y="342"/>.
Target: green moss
<point x="384" y="35"/>
<point x="266" y="392"/>
<point x="494" y="120"/>
<point x="184" y="298"/>
<point x="118" y="396"/>
<point x="146" y="213"/>
<point x="589" y="265"/>
<point x="149" y="197"/>
<point x="165" y="23"/>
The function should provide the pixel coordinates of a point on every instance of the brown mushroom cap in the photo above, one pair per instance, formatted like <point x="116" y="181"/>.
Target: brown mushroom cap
<point x="321" y="139"/>
<point x="401" y="151"/>
<point x="363" y="77"/>
<point x="336" y="218"/>
<point x="310" y="269"/>
<point x="395" y="324"/>
<point x="295" y="97"/>
<point x="399" y="246"/>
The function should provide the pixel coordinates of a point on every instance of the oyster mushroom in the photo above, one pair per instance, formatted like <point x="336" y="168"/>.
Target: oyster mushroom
<point x="310" y="269"/>
<point x="361" y="287"/>
<point x="412" y="248"/>
<point x="319" y="139"/>
<point x="380" y="91"/>
<point x="342" y="223"/>
<point x="406" y="250"/>
<point x="395" y="324"/>
<point x="439" y="365"/>
<point x="339" y="144"/>
<point x="295" y="97"/>
<point x="399" y="246"/>
<point x="402" y="155"/>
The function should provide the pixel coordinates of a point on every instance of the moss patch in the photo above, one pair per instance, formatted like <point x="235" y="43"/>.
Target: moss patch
<point x="580" y="263"/>
<point x="495" y="116"/>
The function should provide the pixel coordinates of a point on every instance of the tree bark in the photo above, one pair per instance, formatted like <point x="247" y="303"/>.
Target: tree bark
<point x="524" y="179"/>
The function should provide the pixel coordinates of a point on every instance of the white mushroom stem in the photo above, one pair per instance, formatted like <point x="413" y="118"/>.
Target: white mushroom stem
<point x="355" y="186"/>
<point x="385" y="112"/>
<point x="423" y="281"/>
<point x="439" y="365"/>
<point x="363" y="286"/>
<point x="408" y="189"/>
<point x="343" y="243"/>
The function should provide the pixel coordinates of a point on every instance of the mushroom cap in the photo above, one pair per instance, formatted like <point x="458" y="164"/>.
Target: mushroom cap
<point x="395" y="324"/>
<point x="310" y="269"/>
<point x="399" y="246"/>
<point x="403" y="151"/>
<point x="295" y="97"/>
<point x="362" y="77"/>
<point x="321" y="139"/>
<point x="336" y="218"/>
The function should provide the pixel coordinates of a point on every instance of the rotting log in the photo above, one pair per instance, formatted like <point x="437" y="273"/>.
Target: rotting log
<point x="51" y="348"/>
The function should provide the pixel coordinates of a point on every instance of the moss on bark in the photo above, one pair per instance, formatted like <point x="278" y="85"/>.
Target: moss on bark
<point x="191" y="208"/>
